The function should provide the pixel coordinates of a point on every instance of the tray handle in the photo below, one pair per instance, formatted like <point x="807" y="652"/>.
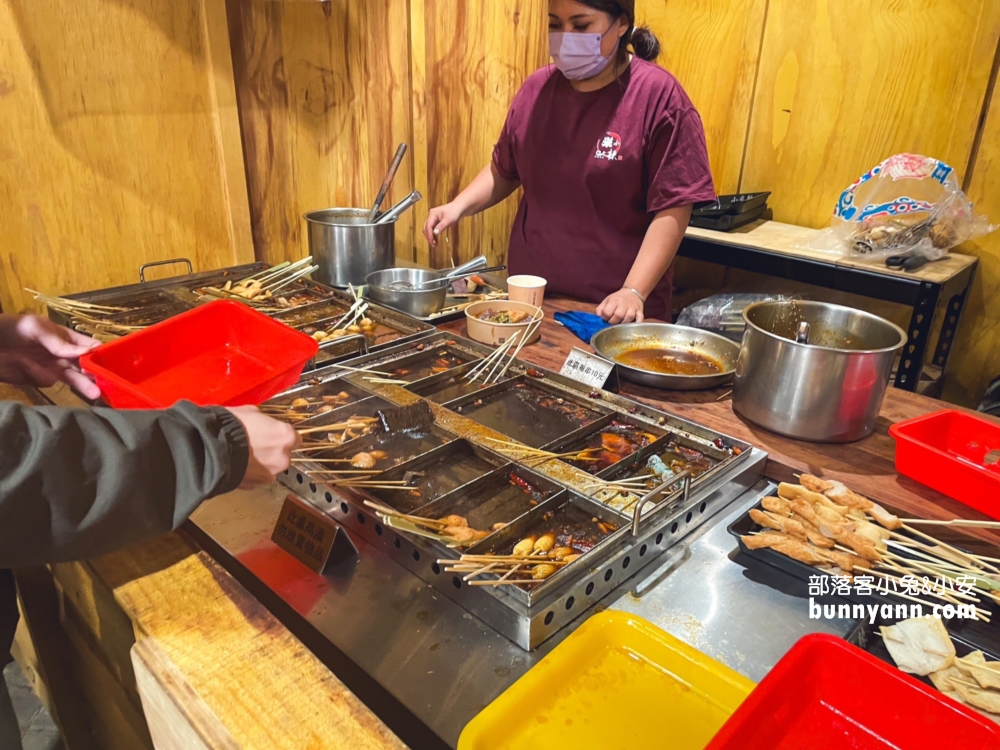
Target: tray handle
<point x="637" y="516"/>
<point x="359" y="337"/>
<point x="144" y="266"/>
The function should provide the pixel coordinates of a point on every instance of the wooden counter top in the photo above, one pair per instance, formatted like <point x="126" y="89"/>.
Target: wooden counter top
<point x="801" y="242"/>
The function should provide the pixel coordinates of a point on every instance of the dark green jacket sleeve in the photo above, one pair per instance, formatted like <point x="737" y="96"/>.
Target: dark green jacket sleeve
<point x="78" y="483"/>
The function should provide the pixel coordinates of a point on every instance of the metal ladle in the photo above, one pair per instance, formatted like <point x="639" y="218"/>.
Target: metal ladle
<point x="425" y="285"/>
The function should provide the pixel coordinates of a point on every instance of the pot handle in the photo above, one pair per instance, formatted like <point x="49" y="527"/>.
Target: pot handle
<point x="144" y="266"/>
<point x="637" y="517"/>
<point x="476" y="264"/>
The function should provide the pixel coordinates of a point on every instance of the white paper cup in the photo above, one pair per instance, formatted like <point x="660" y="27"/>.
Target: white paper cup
<point x="525" y="288"/>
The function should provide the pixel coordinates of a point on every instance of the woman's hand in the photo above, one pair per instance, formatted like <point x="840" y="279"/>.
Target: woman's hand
<point x="624" y="306"/>
<point x="439" y="219"/>
<point x="36" y="351"/>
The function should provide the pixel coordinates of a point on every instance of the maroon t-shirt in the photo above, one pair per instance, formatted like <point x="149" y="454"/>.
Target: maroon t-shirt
<point x="596" y="167"/>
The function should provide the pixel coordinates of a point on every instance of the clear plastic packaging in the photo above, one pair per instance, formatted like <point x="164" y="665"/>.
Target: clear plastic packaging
<point x="723" y="313"/>
<point x="907" y="205"/>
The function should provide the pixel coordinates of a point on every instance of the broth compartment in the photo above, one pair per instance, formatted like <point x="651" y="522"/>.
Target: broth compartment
<point x="573" y="524"/>
<point x="492" y="502"/>
<point x="316" y="399"/>
<point x="527" y="413"/>
<point x="613" y="443"/>
<point x="437" y="473"/>
<point x="447" y="387"/>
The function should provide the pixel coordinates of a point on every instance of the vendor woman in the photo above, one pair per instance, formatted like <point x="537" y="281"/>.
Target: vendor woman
<point x="611" y="155"/>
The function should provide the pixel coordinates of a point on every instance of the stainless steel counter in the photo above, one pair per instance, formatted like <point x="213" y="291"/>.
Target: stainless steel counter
<point x="427" y="666"/>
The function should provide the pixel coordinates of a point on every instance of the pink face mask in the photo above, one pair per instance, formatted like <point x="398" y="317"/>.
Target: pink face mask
<point x="578" y="56"/>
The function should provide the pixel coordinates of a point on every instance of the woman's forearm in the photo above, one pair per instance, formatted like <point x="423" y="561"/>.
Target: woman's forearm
<point x="658" y="250"/>
<point x="487" y="189"/>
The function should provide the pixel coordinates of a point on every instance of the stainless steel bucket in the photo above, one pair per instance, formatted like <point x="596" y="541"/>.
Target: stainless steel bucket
<point x="346" y="247"/>
<point x="828" y="390"/>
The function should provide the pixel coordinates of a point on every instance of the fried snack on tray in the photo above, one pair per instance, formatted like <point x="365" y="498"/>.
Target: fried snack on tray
<point x="920" y="645"/>
<point x="839" y="493"/>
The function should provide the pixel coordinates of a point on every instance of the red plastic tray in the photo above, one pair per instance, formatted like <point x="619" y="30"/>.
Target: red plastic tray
<point x="222" y="353"/>
<point x="826" y="694"/>
<point x="946" y="451"/>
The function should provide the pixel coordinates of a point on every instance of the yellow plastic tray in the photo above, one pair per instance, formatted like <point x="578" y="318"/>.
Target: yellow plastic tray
<point x="616" y="682"/>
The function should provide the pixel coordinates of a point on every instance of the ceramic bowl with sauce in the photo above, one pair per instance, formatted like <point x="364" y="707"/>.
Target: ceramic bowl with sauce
<point x="668" y="356"/>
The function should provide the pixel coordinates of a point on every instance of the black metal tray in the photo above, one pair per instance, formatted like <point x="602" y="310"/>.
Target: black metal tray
<point x="731" y="204"/>
<point x="967" y="635"/>
<point x="728" y="222"/>
<point x="744" y="525"/>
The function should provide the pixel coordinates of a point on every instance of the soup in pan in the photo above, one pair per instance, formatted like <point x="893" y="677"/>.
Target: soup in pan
<point x="670" y="361"/>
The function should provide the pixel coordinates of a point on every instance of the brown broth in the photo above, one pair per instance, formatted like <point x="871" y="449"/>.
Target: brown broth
<point x="670" y="361"/>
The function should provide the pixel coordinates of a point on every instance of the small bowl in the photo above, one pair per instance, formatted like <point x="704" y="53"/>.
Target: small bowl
<point x="495" y="334"/>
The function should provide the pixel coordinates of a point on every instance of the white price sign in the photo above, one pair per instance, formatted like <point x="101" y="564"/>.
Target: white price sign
<point x="587" y="368"/>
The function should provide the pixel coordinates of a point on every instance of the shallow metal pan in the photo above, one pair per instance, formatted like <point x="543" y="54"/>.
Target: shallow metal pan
<point x="615" y="341"/>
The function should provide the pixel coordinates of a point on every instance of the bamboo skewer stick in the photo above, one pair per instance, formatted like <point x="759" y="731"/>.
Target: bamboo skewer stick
<point x="361" y="369"/>
<point x="281" y="284"/>
<point x="386" y="381"/>
<point x="528" y="333"/>
<point x="518" y="335"/>
<point x="980" y="614"/>
<point x="338" y="426"/>
<point x="954" y="522"/>
<point x="903" y="568"/>
<point x="951" y="549"/>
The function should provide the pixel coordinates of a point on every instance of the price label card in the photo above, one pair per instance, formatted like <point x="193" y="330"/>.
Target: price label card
<point x="590" y="370"/>
<point x="311" y="537"/>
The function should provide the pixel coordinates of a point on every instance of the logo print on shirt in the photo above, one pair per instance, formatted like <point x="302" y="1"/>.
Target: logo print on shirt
<point x="609" y="146"/>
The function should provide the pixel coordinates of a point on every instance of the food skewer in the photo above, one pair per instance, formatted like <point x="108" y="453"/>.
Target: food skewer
<point x="339" y="426"/>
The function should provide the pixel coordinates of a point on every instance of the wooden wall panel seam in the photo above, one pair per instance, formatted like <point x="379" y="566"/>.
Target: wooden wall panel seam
<point x="753" y="95"/>
<point x="981" y="127"/>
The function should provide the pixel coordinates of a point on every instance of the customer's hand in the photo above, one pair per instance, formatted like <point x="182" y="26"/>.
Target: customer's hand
<point x="271" y="445"/>
<point x="624" y="306"/>
<point x="439" y="219"/>
<point x="36" y="351"/>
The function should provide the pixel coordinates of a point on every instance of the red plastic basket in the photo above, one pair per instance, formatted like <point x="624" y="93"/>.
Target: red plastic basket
<point x="222" y="353"/>
<point x="947" y="451"/>
<point x="826" y="694"/>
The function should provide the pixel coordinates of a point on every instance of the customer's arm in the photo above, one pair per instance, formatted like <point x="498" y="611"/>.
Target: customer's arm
<point x="79" y="483"/>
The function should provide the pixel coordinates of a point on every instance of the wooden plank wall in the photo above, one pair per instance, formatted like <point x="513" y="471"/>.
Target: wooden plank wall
<point x="120" y="143"/>
<point x="472" y="57"/>
<point x="977" y="350"/>
<point x="324" y="98"/>
<point x="843" y="85"/>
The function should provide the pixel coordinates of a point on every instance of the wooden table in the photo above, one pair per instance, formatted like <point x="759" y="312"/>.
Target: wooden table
<point x="784" y="250"/>
<point x="217" y="670"/>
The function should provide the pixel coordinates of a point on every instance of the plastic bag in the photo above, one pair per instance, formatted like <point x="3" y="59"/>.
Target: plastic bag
<point x="908" y="204"/>
<point x="722" y="313"/>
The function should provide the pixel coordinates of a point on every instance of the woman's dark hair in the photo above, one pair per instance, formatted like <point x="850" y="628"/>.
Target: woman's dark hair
<point x="644" y="43"/>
